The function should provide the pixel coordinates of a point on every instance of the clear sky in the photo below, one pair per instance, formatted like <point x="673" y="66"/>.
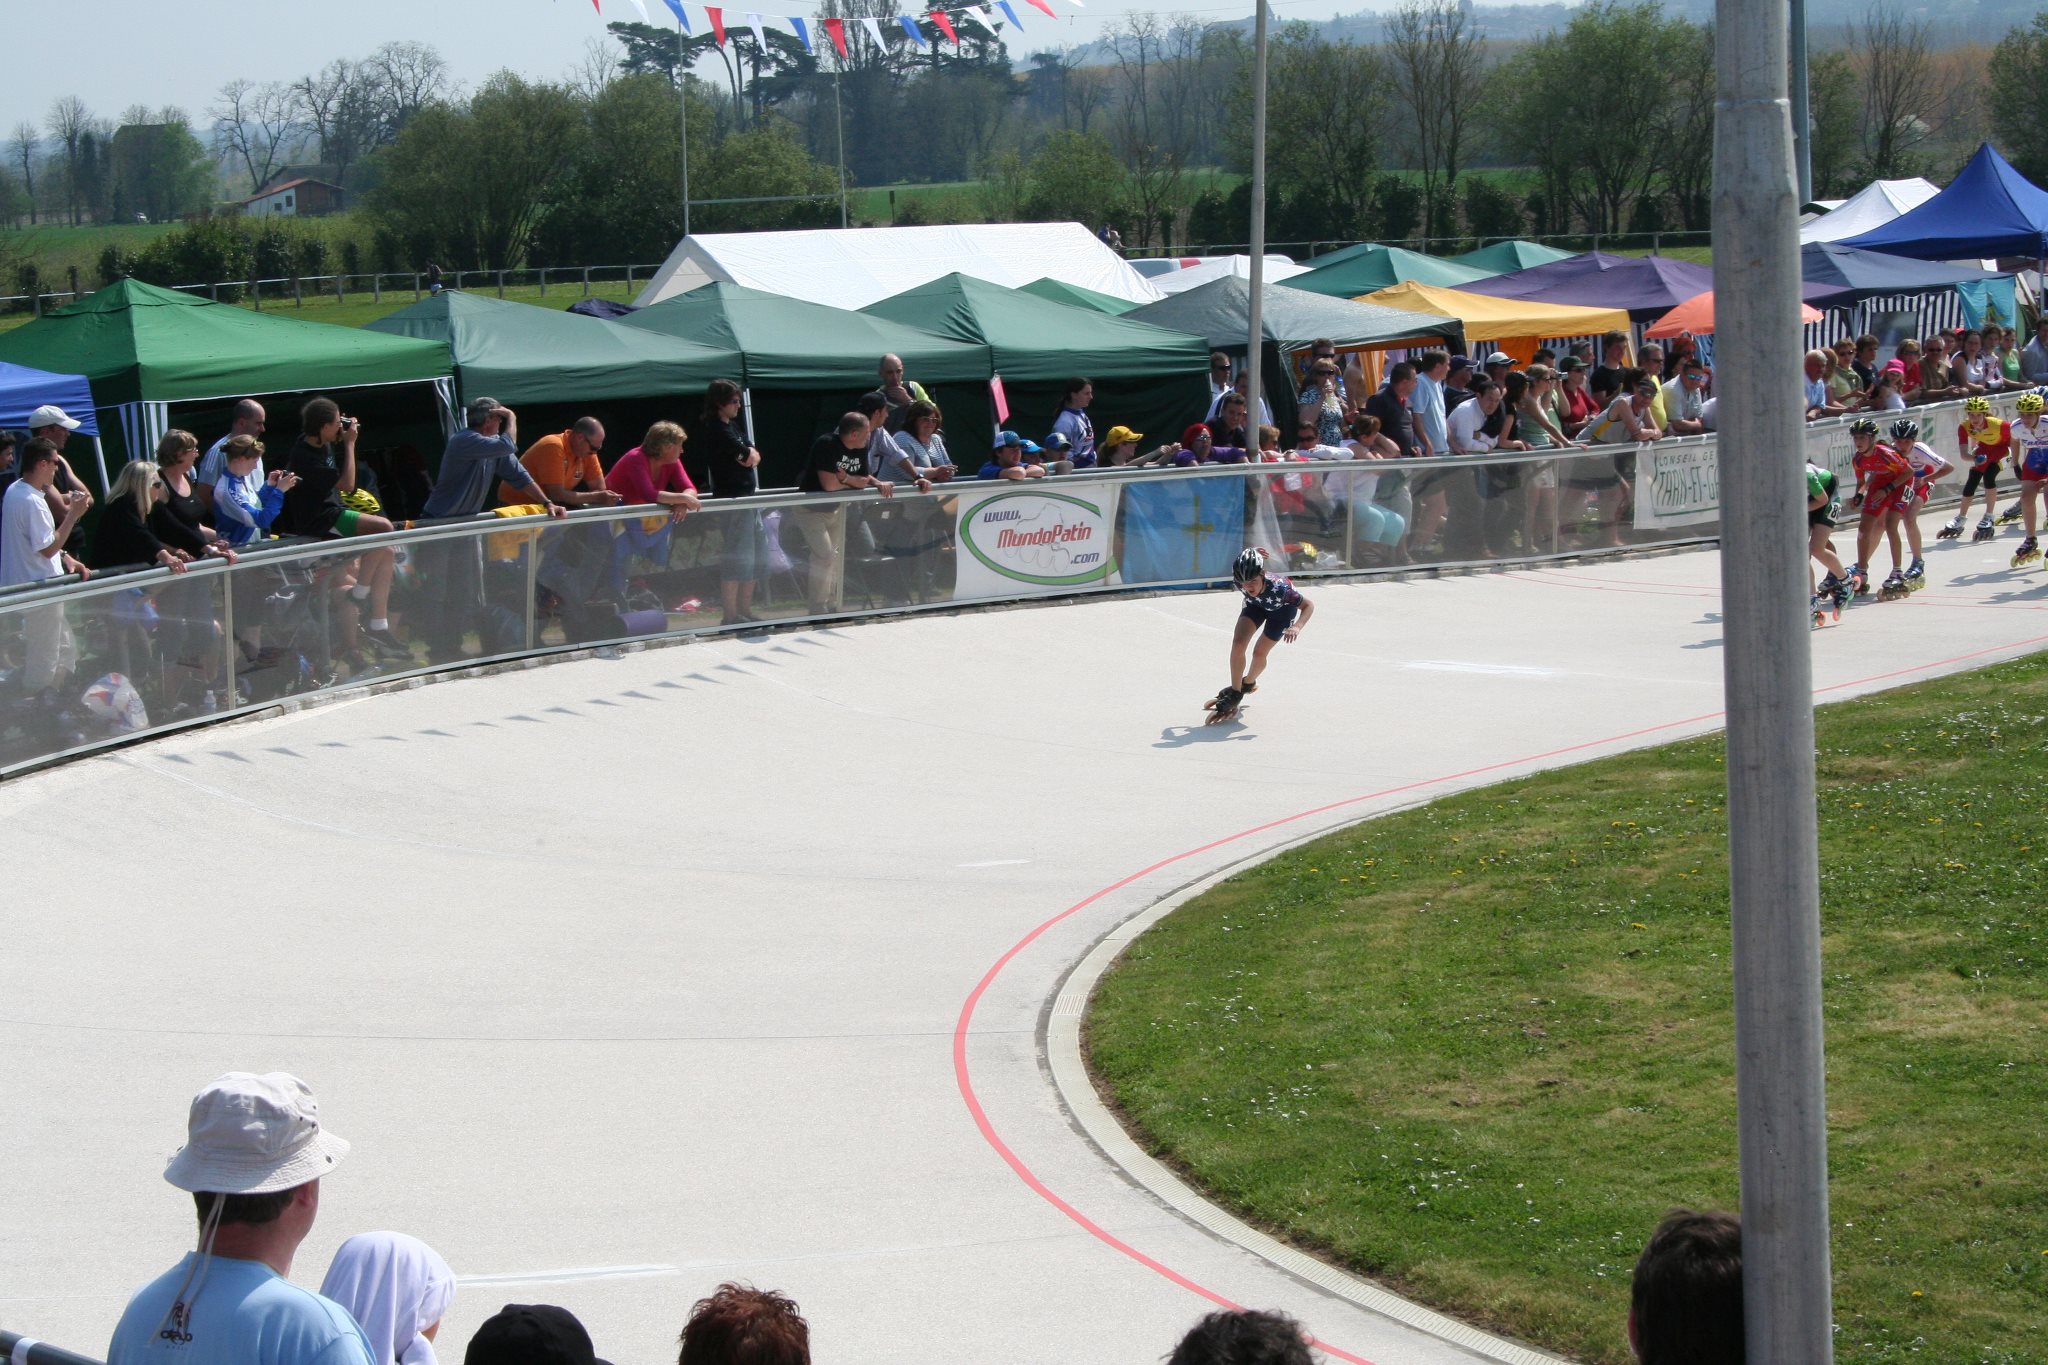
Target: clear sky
<point x="116" y="53"/>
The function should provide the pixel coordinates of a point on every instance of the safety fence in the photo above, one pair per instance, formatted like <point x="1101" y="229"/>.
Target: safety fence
<point x="86" y="665"/>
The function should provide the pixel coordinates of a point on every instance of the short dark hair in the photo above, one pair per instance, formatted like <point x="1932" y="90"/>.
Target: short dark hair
<point x="717" y="394"/>
<point x="739" y="1325"/>
<point x="1075" y="385"/>
<point x="1320" y="342"/>
<point x="1482" y="385"/>
<point x="317" y="413"/>
<point x="1429" y="360"/>
<point x="1243" y="1336"/>
<point x="254" y="1209"/>
<point x="1865" y="342"/>
<point x="36" y="452"/>
<point x="1402" y="370"/>
<point x="852" y="422"/>
<point x="869" y="405"/>
<point x="1218" y="358"/>
<point x="1612" y="339"/>
<point x="920" y="410"/>
<point x="1686" y="1297"/>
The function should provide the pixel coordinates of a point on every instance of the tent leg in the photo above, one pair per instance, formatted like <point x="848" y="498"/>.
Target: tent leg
<point x="99" y="457"/>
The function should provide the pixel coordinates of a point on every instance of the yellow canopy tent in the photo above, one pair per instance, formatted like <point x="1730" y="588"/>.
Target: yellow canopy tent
<point x="1515" y="326"/>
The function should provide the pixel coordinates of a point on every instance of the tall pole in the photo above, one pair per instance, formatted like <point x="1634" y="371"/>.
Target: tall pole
<point x="839" y="125"/>
<point x="683" y="104"/>
<point x="1256" y="324"/>
<point x="1802" y="113"/>
<point x="1773" y="842"/>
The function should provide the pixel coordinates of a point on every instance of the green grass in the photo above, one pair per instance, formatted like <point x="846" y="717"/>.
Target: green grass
<point x="357" y="309"/>
<point x="57" y="248"/>
<point x="1476" y="1050"/>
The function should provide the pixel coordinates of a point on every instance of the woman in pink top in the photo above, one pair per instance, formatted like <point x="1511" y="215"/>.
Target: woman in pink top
<point x="651" y="473"/>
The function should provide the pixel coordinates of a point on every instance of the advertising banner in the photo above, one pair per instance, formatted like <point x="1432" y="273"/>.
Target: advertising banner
<point x="1677" y="484"/>
<point x="1018" y="538"/>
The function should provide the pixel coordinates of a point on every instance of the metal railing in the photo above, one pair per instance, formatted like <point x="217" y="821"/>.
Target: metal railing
<point x="87" y="665"/>
<point x="17" y="1349"/>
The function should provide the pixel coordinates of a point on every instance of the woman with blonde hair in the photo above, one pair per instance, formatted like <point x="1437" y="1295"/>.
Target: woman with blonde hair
<point x="124" y="538"/>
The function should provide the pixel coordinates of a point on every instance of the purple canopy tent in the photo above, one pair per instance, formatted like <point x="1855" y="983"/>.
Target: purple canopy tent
<point x="1645" y="287"/>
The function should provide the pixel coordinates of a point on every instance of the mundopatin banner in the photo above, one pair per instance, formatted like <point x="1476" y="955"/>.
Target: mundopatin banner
<point x="1016" y="538"/>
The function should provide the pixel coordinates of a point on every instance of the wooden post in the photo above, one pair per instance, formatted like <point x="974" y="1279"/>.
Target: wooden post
<point x="298" y="292"/>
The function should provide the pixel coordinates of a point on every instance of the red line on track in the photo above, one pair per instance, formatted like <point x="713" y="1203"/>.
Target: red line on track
<point x="961" y="1029"/>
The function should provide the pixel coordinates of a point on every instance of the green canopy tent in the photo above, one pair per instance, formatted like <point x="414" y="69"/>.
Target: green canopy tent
<point x="1380" y="268"/>
<point x="147" y="350"/>
<point x="1291" y="319"/>
<point x="1145" y="377"/>
<point x="1338" y="257"/>
<point x="805" y="364"/>
<point x="1059" y="291"/>
<point x="1505" y="257"/>
<point x="555" y="368"/>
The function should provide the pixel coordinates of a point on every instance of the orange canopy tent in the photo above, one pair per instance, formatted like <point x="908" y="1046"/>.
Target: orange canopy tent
<point x="1696" y="317"/>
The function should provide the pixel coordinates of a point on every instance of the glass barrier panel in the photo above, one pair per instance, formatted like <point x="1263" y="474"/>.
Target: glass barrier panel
<point x="112" y="659"/>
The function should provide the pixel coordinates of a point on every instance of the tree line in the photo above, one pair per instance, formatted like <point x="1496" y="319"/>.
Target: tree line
<point x="1604" y="125"/>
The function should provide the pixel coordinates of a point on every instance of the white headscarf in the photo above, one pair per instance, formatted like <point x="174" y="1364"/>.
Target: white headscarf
<point x="394" y="1285"/>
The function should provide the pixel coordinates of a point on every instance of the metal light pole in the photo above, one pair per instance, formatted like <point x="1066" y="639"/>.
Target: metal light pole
<point x="683" y="104"/>
<point x="1257" y="351"/>
<point x="839" y="125"/>
<point x="1802" y="113"/>
<point x="1773" y="843"/>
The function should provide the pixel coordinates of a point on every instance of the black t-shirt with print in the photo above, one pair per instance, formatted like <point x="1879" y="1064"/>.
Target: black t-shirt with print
<point x="828" y="452"/>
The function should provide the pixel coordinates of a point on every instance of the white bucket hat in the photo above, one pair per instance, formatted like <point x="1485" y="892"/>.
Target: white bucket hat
<point x="251" y="1134"/>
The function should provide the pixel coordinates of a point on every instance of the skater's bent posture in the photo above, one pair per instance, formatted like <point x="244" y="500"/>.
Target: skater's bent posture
<point x="2030" y="437"/>
<point x="1884" y="479"/>
<point x="1273" y="611"/>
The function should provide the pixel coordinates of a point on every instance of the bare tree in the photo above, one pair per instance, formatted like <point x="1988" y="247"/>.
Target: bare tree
<point x="341" y="105"/>
<point x="1152" y="125"/>
<point x="597" y="68"/>
<point x="254" y="124"/>
<point x="1900" y="95"/>
<point x="69" y="121"/>
<point x="22" y="149"/>
<point x="409" y="77"/>
<point x="1436" y="56"/>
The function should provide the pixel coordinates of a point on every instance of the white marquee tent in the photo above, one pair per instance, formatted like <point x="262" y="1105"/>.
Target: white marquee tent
<point x="1278" y="268"/>
<point x="852" y="268"/>
<point x="1873" y="206"/>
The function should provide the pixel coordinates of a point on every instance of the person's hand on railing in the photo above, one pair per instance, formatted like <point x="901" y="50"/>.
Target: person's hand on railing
<point x="884" y="487"/>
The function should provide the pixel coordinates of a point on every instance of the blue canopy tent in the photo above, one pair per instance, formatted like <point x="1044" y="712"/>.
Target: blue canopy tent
<point x="1988" y="210"/>
<point x="23" y="390"/>
<point x="1832" y="274"/>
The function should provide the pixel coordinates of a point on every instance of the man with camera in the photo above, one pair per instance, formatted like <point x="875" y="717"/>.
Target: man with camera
<point x="477" y="457"/>
<point x="324" y="458"/>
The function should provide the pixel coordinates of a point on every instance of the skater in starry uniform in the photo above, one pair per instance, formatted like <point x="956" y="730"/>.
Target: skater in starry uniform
<point x="1928" y="465"/>
<point x="1823" y="508"/>
<point x="1884" y="479"/>
<point x="2030" y="449"/>
<point x="1984" y="441"/>
<point x="1274" y="611"/>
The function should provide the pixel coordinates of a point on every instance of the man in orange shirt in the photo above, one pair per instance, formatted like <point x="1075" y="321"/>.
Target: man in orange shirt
<point x="567" y="468"/>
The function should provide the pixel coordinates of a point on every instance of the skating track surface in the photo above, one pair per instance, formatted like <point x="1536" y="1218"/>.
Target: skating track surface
<point x="732" y="960"/>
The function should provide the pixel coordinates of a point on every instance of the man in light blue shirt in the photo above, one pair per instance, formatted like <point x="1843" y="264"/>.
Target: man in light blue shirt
<point x="253" y="1159"/>
<point x="1431" y="369"/>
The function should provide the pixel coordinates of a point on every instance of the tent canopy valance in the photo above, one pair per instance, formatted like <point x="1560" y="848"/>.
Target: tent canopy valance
<point x="787" y="343"/>
<point x="518" y="353"/>
<point x="1382" y="268"/>
<point x="1220" y="313"/>
<point x="1490" y="319"/>
<point x="1834" y="275"/>
<point x="1645" y="287"/>
<point x="136" y="342"/>
<point x="23" y="390"/>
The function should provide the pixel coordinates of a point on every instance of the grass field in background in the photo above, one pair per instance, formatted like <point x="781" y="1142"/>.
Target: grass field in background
<point x="1476" y="1050"/>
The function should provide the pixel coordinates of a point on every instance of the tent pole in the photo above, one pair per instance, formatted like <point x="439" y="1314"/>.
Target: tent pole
<point x="1773" y="836"/>
<point x="839" y="126"/>
<point x="99" y="457"/>
<point x="1256" y="350"/>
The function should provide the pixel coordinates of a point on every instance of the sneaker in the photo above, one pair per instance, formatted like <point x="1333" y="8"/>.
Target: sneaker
<point x="387" y="644"/>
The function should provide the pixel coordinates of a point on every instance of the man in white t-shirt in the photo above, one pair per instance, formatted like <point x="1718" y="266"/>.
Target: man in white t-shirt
<point x="1466" y="426"/>
<point x="31" y="550"/>
<point x="1685" y="393"/>
<point x="248" y="421"/>
<point x="253" y="1159"/>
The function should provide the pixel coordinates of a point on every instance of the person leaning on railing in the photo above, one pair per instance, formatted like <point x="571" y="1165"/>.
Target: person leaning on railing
<point x="126" y="536"/>
<point x="324" y="458"/>
<point x="246" y="502"/>
<point x="733" y="466"/>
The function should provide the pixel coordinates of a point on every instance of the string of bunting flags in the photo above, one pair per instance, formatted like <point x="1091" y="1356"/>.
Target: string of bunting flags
<point x="947" y="21"/>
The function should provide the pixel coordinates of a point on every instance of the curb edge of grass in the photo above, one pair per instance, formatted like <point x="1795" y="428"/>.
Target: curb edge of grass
<point x="1060" y="1037"/>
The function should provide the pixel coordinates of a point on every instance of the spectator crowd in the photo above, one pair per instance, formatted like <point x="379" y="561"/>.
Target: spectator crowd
<point x="313" y="623"/>
<point x="256" y="1151"/>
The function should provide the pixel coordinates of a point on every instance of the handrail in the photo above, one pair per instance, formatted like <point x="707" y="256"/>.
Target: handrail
<point x="17" y="1349"/>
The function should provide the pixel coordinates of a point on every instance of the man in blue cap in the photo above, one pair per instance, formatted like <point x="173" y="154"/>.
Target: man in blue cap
<point x="1008" y="462"/>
